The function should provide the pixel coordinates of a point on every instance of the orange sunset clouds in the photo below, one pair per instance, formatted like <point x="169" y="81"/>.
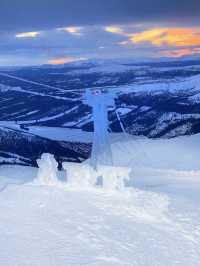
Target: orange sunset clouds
<point x="169" y="36"/>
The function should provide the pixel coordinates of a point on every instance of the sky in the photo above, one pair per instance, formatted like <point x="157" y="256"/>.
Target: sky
<point x="61" y="31"/>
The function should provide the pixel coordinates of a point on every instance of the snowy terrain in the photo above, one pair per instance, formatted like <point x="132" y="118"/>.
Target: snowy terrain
<point x="154" y="222"/>
<point x="38" y="105"/>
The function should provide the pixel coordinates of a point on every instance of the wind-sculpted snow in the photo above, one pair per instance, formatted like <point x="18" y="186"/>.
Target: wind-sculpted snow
<point x="154" y="220"/>
<point x="48" y="167"/>
<point x="54" y="225"/>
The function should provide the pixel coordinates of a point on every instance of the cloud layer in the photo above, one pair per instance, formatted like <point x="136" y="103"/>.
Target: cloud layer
<point x="61" y="31"/>
<point x="32" y="15"/>
<point x="169" y="36"/>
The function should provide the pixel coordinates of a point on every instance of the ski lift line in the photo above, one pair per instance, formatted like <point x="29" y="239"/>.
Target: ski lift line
<point x="31" y="82"/>
<point x="125" y="134"/>
<point x="37" y="83"/>
<point x="121" y="124"/>
<point x="53" y="87"/>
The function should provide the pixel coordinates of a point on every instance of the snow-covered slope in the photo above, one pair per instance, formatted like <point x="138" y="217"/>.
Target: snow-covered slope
<point x="19" y="146"/>
<point x="154" y="222"/>
<point x="156" y="100"/>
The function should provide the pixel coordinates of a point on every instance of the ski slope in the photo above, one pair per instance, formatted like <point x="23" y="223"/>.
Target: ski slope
<point x="155" y="222"/>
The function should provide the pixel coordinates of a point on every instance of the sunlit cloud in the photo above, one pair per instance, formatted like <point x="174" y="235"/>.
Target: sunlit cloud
<point x="180" y="52"/>
<point x="63" y="45"/>
<point x="114" y="29"/>
<point x="31" y="34"/>
<point x="178" y="37"/>
<point x="72" y="30"/>
<point x="123" y="43"/>
<point x="64" y="60"/>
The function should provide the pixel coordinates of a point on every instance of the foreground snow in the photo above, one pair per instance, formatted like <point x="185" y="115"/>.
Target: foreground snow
<point x="156" y="222"/>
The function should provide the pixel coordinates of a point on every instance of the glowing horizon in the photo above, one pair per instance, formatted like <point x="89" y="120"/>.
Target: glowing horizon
<point x="64" y="60"/>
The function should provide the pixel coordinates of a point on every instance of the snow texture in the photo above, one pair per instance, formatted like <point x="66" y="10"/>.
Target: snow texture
<point x="110" y="178"/>
<point x="155" y="222"/>
<point x="47" y="173"/>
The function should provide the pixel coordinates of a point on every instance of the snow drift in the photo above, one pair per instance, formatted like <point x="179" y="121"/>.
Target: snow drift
<point x="153" y="222"/>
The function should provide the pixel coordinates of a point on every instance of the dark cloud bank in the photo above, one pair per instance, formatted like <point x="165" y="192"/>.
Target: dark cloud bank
<point x="22" y="15"/>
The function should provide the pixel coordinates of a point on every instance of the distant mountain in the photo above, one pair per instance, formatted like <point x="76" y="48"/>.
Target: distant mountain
<point x="17" y="146"/>
<point x="152" y="99"/>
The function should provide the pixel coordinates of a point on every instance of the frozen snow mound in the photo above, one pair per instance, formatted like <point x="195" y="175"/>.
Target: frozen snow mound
<point x="47" y="173"/>
<point x="81" y="176"/>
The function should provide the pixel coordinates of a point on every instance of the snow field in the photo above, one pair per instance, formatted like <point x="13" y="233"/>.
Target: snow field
<point x="153" y="222"/>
